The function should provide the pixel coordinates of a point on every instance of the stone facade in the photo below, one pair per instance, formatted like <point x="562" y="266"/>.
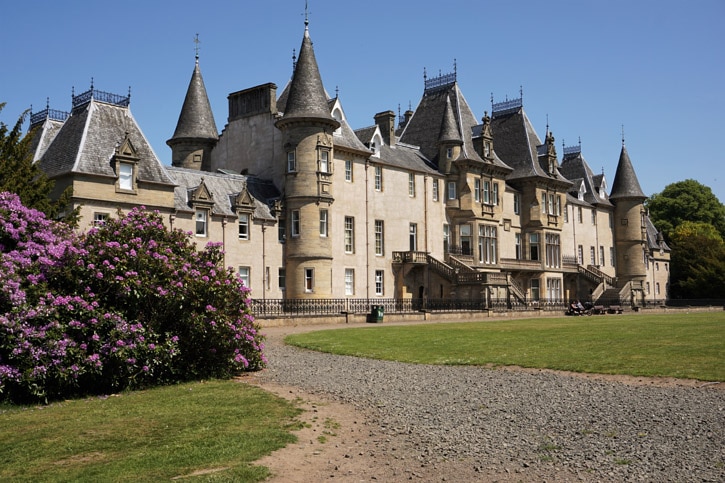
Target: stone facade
<point x="441" y="206"/>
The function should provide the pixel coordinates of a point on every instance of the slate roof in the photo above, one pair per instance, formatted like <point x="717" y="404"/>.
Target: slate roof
<point x="431" y="122"/>
<point x="43" y="136"/>
<point x="306" y="97"/>
<point x="87" y="141"/>
<point x="625" y="184"/>
<point x="224" y="188"/>
<point x="196" y="119"/>
<point x="574" y="167"/>
<point x="424" y="127"/>
<point x="517" y="144"/>
<point x="654" y="237"/>
<point x="345" y="136"/>
<point x="402" y="156"/>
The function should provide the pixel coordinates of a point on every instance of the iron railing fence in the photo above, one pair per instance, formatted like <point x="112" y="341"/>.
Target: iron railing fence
<point x="309" y="307"/>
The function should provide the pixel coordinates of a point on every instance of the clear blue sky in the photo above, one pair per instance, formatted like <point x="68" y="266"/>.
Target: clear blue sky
<point x="657" y="67"/>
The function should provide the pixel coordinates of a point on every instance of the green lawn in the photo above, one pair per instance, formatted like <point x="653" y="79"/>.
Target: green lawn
<point x="677" y="345"/>
<point x="215" y="429"/>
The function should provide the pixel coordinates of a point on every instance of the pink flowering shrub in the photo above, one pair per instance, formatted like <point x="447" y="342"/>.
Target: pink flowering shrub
<point x="128" y="304"/>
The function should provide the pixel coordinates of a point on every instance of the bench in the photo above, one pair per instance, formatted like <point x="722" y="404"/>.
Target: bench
<point x="615" y="309"/>
<point x="598" y="309"/>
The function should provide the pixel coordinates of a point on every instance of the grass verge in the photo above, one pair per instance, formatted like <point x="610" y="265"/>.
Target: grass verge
<point x="207" y="431"/>
<point x="678" y="345"/>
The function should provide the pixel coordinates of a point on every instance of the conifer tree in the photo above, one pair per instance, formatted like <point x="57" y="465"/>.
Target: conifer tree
<point x="20" y="175"/>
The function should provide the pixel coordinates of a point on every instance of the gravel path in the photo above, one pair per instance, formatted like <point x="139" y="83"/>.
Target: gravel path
<point x="531" y="425"/>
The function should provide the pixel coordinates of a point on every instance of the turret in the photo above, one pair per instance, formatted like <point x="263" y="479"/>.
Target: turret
<point x="196" y="134"/>
<point x="629" y="222"/>
<point x="450" y="141"/>
<point x="307" y="138"/>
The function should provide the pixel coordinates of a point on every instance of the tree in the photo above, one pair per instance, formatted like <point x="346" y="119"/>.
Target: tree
<point x="20" y="175"/>
<point x="685" y="201"/>
<point x="698" y="262"/>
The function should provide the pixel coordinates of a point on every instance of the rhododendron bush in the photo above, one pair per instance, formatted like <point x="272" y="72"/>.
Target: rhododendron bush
<point x="128" y="304"/>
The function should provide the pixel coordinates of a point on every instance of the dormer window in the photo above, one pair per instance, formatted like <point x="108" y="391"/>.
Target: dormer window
<point x="201" y="222"/>
<point x="582" y="190"/>
<point x="125" y="176"/>
<point x="487" y="149"/>
<point x="375" y="144"/>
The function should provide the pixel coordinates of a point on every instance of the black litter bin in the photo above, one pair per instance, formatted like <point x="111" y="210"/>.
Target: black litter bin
<point x="376" y="313"/>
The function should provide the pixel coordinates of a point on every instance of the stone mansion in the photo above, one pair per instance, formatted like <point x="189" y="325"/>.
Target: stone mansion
<point x="436" y="204"/>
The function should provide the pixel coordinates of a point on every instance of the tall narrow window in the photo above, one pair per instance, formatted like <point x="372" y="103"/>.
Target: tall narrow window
<point x="465" y="235"/>
<point x="201" y="222"/>
<point x="435" y="190"/>
<point x="379" y="237"/>
<point x="534" y="285"/>
<point x="487" y="192"/>
<point x="601" y="256"/>
<point x="378" y="178"/>
<point x="379" y="289"/>
<point x="594" y="216"/>
<point x="266" y="277"/>
<point x="348" y="170"/>
<point x="477" y="190"/>
<point x="553" y="250"/>
<point x="291" y="162"/>
<point x="566" y="214"/>
<point x="323" y="223"/>
<point x="446" y="237"/>
<point x="533" y="246"/>
<point x="517" y="240"/>
<point x="349" y="234"/>
<point x="349" y="281"/>
<point x="592" y="256"/>
<point x="494" y="195"/>
<point x="413" y="237"/>
<point x="580" y="255"/>
<point x="552" y="204"/>
<point x="612" y="259"/>
<point x="324" y="161"/>
<point x="125" y="176"/>
<point x="295" y="224"/>
<point x="452" y="190"/>
<point x="281" y="230"/>
<point x="281" y="278"/>
<point x="579" y="214"/>
<point x="487" y="244"/>
<point x="411" y="185"/>
<point x="309" y="279"/>
<point x="244" y="275"/>
<point x="517" y="204"/>
<point x="244" y="226"/>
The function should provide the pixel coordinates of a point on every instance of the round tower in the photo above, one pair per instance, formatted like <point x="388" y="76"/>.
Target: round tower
<point x="629" y="223"/>
<point x="196" y="134"/>
<point x="307" y="127"/>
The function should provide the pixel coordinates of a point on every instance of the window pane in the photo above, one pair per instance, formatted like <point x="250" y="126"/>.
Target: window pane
<point x="125" y="176"/>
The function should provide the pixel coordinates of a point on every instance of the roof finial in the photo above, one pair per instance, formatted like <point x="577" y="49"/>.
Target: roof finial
<point x="91" y="85"/>
<point x="521" y="93"/>
<point x="547" y="123"/>
<point x="580" y="143"/>
<point x="294" y="60"/>
<point x="425" y="74"/>
<point x="337" y="92"/>
<point x="622" y="135"/>
<point x="307" y="19"/>
<point x="455" y="68"/>
<point x="47" y="103"/>
<point x="196" y="47"/>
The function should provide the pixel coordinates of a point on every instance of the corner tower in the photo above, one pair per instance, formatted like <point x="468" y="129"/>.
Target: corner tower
<point x="196" y="134"/>
<point x="630" y="229"/>
<point x="307" y="138"/>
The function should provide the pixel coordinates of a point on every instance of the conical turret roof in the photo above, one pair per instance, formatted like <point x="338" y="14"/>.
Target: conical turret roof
<point x="625" y="183"/>
<point x="449" y="127"/>
<point x="306" y="98"/>
<point x="196" y="120"/>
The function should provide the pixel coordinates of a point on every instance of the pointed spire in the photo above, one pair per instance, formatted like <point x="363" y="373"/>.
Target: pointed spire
<point x="196" y="119"/>
<point x="625" y="184"/>
<point x="307" y="97"/>
<point x="449" y="126"/>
